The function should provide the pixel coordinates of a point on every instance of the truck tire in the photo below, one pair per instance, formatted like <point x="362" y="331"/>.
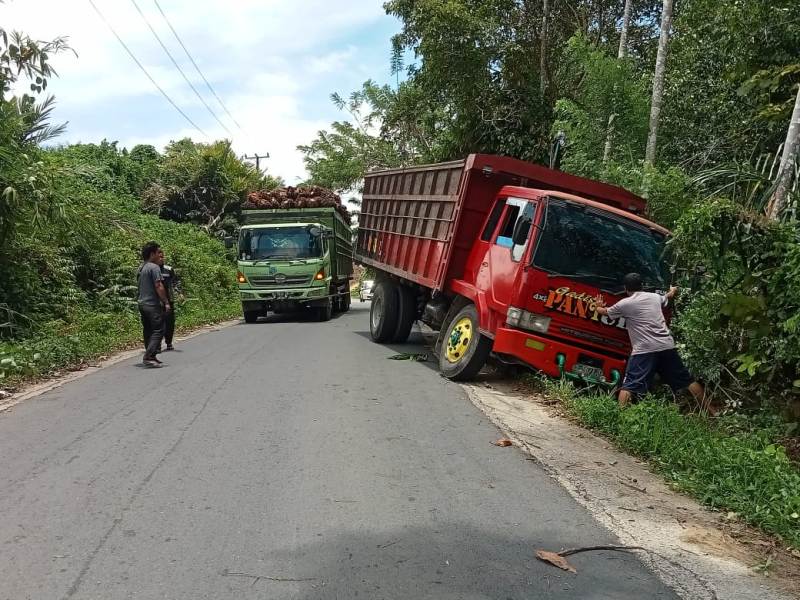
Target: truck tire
<point x="384" y="312"/>
<point x="251" y="316"/>
<point x="464" y="350"/>
<point x="346" y="303"/>
<point x="406" y="313"/>
<point x="325" y="311"/>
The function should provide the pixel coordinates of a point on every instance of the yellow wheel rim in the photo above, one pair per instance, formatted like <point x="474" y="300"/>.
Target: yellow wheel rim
<point x="459" y="340"/>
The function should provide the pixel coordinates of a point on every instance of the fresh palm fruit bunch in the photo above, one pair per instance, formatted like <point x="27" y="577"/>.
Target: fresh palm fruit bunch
<point x="310" y="196"/>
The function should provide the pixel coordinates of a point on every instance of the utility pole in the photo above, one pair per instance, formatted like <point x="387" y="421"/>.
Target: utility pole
<point x="257" y="158"/>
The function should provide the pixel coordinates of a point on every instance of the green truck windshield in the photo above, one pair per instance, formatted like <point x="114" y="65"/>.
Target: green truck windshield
<point x="587" y="244"/>
<point x="279" y="242"/>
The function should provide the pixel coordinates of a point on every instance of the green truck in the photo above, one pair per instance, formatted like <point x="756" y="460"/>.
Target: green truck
<point x="292" y="259"/>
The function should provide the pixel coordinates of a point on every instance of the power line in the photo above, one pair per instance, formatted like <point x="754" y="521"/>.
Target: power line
<point x="177" y="66"/>
<point x="141" y="66"/>
<point x="188" y="54"/>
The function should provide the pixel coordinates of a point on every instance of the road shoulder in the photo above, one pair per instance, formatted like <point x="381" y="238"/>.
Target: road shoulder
<point x="686" y="546"/>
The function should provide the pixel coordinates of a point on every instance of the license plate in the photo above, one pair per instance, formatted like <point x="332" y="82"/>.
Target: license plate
<point x="280" y="294"/>
<point x="588" y="372"/>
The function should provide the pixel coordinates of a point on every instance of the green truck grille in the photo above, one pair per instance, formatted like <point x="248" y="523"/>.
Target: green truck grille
<point x="279" y="280"/>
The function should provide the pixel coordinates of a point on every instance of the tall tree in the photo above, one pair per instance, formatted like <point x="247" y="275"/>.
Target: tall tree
<point x="543" y="50"/>
<point x="778" y="202"/>
<point x="621" y="54"/>
<point x="658" y="81"/>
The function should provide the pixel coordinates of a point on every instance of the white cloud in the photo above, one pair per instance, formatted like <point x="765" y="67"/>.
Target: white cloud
<point x="274" y="63"/>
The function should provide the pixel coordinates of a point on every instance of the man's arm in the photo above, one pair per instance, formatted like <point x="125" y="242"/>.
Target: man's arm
<point x="162" y="293"/>
<point x="158" y="283"/>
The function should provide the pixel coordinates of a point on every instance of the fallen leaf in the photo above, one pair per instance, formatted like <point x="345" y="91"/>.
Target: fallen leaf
<point x="503" y="442"/>
<point x="555" y="559"/>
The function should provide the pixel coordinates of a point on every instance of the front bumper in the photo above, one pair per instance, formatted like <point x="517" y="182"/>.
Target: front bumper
<point x="300" y="295"/>
<point x="558" y="359"/>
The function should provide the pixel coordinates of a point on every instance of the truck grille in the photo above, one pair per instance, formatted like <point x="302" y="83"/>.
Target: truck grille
<point x="280" y="280"/>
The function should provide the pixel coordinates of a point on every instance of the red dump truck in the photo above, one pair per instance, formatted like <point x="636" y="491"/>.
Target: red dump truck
<point x="506" y="257"/>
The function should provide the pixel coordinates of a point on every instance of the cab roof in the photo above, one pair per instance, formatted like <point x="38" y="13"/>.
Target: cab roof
<point x="532" y="193"/>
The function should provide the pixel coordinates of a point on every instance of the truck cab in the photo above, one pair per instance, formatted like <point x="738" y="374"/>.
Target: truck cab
<point x="288" y="264"/>
<point x="541" y="260"/>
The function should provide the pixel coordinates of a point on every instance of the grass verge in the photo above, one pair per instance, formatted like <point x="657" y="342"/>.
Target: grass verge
<point x="721" y="462"/>
<point x="88" y="334"/>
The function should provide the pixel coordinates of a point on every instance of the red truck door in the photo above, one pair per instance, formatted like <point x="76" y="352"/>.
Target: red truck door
<point x="503" y="263"/>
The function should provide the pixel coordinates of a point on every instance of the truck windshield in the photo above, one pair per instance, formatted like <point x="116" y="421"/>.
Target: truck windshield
<point x="588" y="244"/>
<point x="279" y="242"/>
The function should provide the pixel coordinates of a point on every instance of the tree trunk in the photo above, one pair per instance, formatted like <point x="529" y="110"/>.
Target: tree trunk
<point x="543" y="52"/>
<point x="658" y="82"/>
<point x="621" y="54"/>
<point x="777" y="203"/>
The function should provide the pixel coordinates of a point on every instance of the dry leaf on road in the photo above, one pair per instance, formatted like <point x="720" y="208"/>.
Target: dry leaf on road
<point x="555" y="559"/>
<point x="503" y="442"/>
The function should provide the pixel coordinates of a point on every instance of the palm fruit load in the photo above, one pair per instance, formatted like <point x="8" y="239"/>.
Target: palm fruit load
<point x="312" y="196"/>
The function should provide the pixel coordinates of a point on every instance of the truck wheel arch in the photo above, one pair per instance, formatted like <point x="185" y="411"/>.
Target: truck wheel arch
<point x="477" y="297"/>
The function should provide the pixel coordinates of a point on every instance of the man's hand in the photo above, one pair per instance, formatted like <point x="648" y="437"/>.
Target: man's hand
<point x="167" y="307"/>
<point x="673" y="291"/>
<point x="600" y="305"/>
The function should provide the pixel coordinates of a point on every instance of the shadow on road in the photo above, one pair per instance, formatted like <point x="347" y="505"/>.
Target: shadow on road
<point x="447" y="560"/>
<point x="293" y="317"/>
<point x="418" y="343"/>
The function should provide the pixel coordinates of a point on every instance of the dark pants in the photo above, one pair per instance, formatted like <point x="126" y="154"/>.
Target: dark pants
<point x="153" y="328"/>
<point x="169" y="325"/>
<point x="667" y="363"/>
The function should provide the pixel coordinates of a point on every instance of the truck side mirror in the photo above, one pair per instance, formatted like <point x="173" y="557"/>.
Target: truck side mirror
<point x="228" y="241"/>
<point x="521" y="230"/>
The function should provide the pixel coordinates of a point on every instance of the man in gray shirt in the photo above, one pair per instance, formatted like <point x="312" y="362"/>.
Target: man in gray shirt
<point x="652" y="347"/>
<point x="153" y="302"/>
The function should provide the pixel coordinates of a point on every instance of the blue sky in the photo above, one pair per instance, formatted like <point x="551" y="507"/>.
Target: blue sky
<point x="273" y="62"/>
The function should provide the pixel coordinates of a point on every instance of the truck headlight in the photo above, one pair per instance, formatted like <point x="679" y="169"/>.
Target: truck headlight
<point x="534" y="322"/>
<point x="516" y="317"/>
<point x="513" y="316"/>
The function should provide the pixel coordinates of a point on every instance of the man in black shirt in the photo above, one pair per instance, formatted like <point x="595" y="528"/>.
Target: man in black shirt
<point x="172" y="287"/>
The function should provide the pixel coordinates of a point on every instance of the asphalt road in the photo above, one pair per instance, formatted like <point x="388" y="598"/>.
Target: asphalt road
<point x="284" y="460"/>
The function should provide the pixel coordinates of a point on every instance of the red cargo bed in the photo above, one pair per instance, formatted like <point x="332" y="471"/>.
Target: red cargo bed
<point x="420" y="222"/>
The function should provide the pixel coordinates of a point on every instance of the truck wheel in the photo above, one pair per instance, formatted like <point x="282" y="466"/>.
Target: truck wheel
<point x="407" y="313"/>
<point x="464" y="350"/>
<point x="325" y="312"/>
<point x="383" y="313"/>
<point x="346" y="303"/>
<point x="251" y="316"/>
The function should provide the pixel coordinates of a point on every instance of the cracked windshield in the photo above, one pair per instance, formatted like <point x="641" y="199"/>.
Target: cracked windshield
<point x="586" y="244"/>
